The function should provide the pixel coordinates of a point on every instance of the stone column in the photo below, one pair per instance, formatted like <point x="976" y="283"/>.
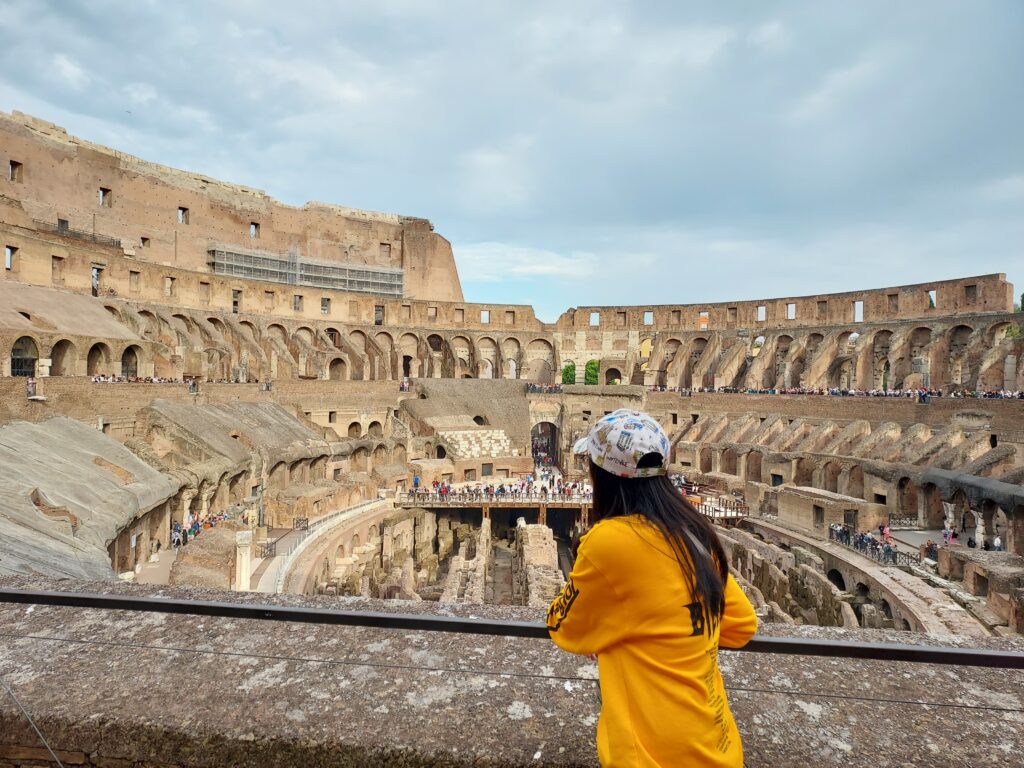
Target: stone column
<point x="243" y="560"/>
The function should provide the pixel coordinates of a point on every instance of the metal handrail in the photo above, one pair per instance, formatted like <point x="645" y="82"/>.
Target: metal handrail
<point x="463" y="497"/>
<point x="921" y="654"/>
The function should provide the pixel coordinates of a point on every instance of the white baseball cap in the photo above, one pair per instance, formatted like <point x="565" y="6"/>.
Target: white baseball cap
<point x="617" y="442"/>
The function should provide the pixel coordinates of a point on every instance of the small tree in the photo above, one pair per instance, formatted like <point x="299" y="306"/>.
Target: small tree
<point x="590" y="373"/>
<point x="569" y="373"/>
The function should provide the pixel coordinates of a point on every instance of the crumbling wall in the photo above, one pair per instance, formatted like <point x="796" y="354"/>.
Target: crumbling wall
<point x="467" y="572"/>
<point x="536" y="578"/>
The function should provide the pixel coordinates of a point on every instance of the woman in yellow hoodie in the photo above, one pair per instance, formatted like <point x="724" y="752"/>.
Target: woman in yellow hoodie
<point x="651" y="595"/>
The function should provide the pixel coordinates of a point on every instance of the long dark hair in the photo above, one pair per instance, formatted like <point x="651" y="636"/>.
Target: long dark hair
<point x="689" y="533"/>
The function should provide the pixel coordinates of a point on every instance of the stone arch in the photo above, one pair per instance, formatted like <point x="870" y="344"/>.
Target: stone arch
<point x="511" y="351"/>
<point x="334" y="336"/>
<point x="305" y="333"/>
<point x="803" y="474"/>
<point x="130" y="359"/>
<point x="704" y="459"/>
<point x="933" y="511"/>
<point x="613" y="376"/>
<point x="696" y="352"/>
<point x="355" y="429"/>
<point x="728" y="461"/>
<point x="375" y="429"/>
<point x="338" y="370"/>
<point x="64" y="359"/>
<point x="539" y="364"/>
<point x="98" y="359"/>
<point x="830" y="476"/>
<point x="855" y="482"/>
<point x="24" y="357"/>
<point x="408" y="347"/>
<point x="906" y="497"/>
<point x="837" y="579"/>
<point x="754" y="466"/>
<point x="278" y="476"/>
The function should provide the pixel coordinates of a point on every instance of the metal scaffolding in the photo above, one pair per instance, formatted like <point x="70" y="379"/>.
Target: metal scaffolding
<point x="292" y="269"/>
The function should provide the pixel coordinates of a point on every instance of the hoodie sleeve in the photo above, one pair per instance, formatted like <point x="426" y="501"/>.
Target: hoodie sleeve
<point x="584" y="617"/>
<point x="739" y="622"/>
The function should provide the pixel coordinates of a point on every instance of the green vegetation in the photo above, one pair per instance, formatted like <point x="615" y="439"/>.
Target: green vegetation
<point x="569" y="373"/>
<point x="590" y="373"/>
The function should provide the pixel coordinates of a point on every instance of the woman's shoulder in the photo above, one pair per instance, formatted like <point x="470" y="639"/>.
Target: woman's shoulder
<point x="616" y="535"/>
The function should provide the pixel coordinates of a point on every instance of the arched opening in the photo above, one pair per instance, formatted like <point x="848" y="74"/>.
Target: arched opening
<point x="130" y="363"/>
<point x="24" y="355"/>
<point x="63" y="358"/>
<point x="407" y="366"/>
<point x="612" y="376"/>
<point x="539" y="365"/>
<point x="704" y="459"/>
<point x="435" y="342"/>
<point x="480" y="420"/>
<point x="441" y="453"/>
<point x="728" y="463"/>
<point x="334" y="336"/>
<point x="544" y="444"/>
<point x="355" y="429"/>
<point x="934" y="515"/>
<point x="98" y="359"/>
<point x="855" y="486"/>
<point x="837" y="579"/>
<point x="906" y="495"/>
<point x="375" y="429"/>
<point x="754" y="459"/>
<point x="830" y="476"/>
<point x="338" y="370"/>
<point x="804" y="474"/>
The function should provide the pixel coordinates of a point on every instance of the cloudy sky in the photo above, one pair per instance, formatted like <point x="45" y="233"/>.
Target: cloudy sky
<point x="579" y="152"/>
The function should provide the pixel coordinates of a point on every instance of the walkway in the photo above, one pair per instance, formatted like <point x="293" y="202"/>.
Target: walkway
<point x="160" y="571"/>
<point x="939" y="613"/>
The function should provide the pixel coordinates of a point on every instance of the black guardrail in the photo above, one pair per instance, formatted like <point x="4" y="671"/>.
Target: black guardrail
<point x="921" y="654"/>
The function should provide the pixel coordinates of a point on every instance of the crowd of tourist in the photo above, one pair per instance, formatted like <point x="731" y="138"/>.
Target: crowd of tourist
<point x="193" y="527"/>
<point x="544" y="389"/>
<point x="527" y="489"/>
<point x="882" y="548"/>
<point x="922" y="394"/>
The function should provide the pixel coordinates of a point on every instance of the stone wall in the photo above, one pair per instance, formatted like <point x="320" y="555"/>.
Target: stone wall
<point x="536" y="578"/>
<point x="128" y="689"/>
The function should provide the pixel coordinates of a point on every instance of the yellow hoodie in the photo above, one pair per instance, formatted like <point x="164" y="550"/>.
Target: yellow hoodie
<point x="663" y="700"/>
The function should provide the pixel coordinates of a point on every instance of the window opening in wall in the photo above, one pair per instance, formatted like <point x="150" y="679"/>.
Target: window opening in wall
<point x="378" y="314"/>
<point x="431" y="313"/>
<point x="694" y="417"/>
<point x="353" y="310"/>
<point x="332" y="417"/>
<point x="993" y="441"/>
<point x="822" y="310"/>
<point x="776" y="480"/>
<point x="510" y="318"/>
<point x="677" y="316"/>
<point x="106" y="198"/>
<point x="254" y="230"/>
<point x="819" y="516"/>
<point x="204" y="292"/>
<point x="385" y="251"/>
<point x="931" y="299"/>
<point x="298" y="301"/>
<point x="880" y="498"/>
<point x="325" y="306"/>
<point x="182" y="215"/>
<point x="858" y="311"/>
<point x="648" y="318"/>
<point x="236" y="300"/>
<point x="143" y="242"/>
<point x="9" y="252"/>
<point x="62" y="225"/>
<point x="731" y="314"/>
<point x="894" y="302"/>
<point x="620" y="319"/>
<point x="169" y="286"/>
<point x="460" y="315"/>
<point x="762" y="313"/>
<point x="485" y="316"/>
<point x="971" y="293"/>
<point x="26" y="315"/>
<point x="675" y="418"/>
<point x="57" y="270"/>
<point x="703" y="318"/>
<point x="133" y="280"/>
<point x="97" y="280"/>
<point x="595" y="318"/>
<point x="486" y="470"/>
<point x="586" y="415"/>
<point x="268" y="299"/>
<point x="791" y="311"/>
<point x="14" y="171"/>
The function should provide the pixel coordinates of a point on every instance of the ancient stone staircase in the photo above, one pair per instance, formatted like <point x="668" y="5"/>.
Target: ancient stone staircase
<point x="475" y="443"/>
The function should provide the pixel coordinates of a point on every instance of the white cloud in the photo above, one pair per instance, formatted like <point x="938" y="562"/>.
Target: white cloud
<point x="497" y="262"/>
<point x="771" y="37"/>
<point x="838" y="86"/>
<point x="497" y="178"/>
<point x="140" y="93"/>
<point x="70" y="72"/>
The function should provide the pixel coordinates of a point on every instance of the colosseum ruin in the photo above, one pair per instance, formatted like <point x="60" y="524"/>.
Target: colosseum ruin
<point x="211" y="395"/>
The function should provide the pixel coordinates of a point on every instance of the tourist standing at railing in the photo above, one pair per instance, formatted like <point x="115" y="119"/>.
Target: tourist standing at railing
<point x="651" y="595"/>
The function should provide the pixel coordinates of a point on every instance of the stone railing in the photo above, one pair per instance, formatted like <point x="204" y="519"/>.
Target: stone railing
<point x="259" y="693"/>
